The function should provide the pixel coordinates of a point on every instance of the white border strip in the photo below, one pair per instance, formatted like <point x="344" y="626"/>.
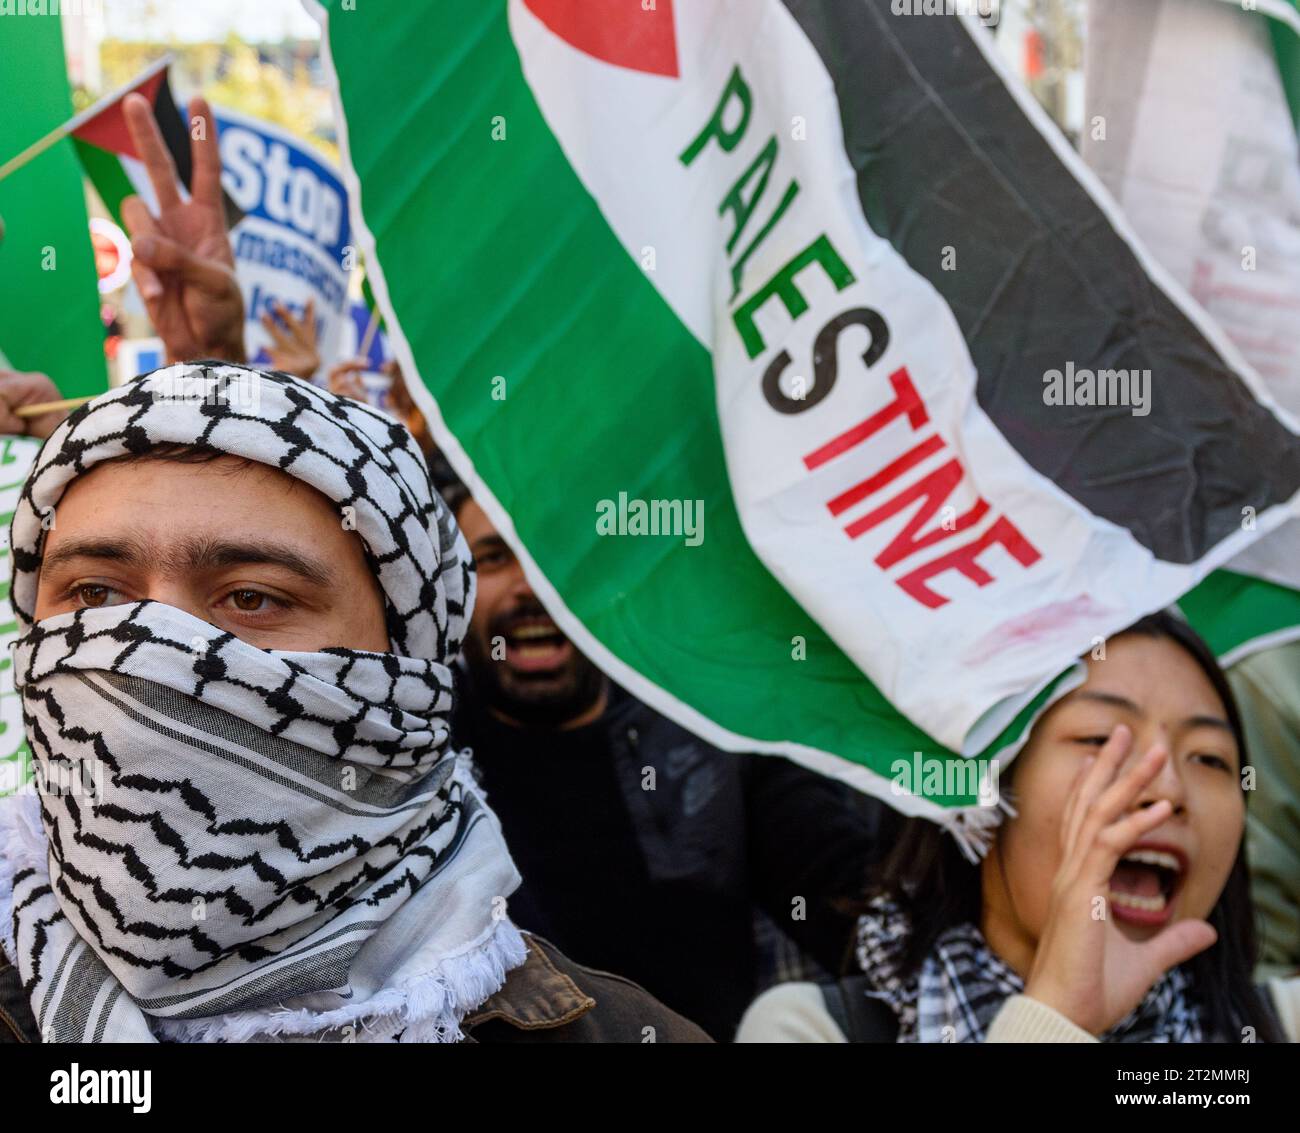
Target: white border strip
<point x="1259" y="644"/>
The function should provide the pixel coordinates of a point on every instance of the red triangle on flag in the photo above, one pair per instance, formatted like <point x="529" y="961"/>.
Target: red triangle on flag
<point x="621" y="32"/>
<point x="107" y="129"/>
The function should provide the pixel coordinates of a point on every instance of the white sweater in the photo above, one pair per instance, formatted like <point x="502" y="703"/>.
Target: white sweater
<point x="796" y="1013"/>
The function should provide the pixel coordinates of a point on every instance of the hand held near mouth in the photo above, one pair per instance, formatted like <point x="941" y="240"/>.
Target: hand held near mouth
<point x="1086" y="967"/>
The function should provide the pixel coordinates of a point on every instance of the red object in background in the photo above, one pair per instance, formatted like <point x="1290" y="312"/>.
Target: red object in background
<point x="112" y="254"/>
<point x="111" y="344"/>
<point x="107" y="129"/>
<point x="107" y="257"/>
<point x="620" y="32"/>
<point x="1033" y="54"/>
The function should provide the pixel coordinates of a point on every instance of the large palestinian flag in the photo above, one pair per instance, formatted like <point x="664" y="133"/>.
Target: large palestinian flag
<point x="823" y="391"/>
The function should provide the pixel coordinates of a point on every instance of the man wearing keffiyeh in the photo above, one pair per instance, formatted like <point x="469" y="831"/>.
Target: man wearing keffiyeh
<point x="240" y="602"/>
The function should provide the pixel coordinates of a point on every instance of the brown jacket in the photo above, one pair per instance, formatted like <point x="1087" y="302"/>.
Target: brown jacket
<point x="550" y="999"/>
<point x="547" y="999"/>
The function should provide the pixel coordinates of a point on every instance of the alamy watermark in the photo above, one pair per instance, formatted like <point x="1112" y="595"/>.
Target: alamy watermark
<point x="624" y="516"/>
<point x="84" y="779"/>
<point x="76" y="1086"/>
<point x="72" y="9"/>
<point x="946" y="777"/>
<point x="1099" y="387"/>
<point x="242" y="392"/>
<point x="988" y="12"/>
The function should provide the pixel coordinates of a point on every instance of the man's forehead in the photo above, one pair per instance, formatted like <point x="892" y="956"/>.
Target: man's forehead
<point x="170" y="491"/>
<point x="195" y="513"/>
<point x="174" y="460"/>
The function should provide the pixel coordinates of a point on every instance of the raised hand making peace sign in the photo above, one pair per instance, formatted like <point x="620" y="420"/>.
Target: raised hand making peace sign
<point x="183" y="264"/>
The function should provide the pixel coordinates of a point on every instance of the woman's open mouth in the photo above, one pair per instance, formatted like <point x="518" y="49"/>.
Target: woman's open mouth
<point x="1145" y="883"/>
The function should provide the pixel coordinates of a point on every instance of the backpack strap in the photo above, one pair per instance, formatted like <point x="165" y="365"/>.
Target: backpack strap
<point x="862" y="1018"/>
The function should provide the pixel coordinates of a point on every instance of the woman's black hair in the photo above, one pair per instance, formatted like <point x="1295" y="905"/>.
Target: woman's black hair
<point x="939" y="887"/>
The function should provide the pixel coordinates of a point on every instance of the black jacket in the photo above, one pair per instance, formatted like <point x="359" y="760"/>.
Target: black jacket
<point x="718" y="836"/>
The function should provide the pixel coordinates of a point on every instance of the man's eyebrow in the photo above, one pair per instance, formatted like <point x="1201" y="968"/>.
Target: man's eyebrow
<point x="130" y="551"/>
<point x="194" y="554"/>
<point x="214" y="553"/>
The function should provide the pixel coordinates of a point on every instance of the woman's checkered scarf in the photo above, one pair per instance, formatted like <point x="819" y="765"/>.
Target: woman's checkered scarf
<point x="962" y="984"/>
<point x="229" y="843"/>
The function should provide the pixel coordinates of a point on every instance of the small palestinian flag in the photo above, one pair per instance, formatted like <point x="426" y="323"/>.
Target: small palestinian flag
<point x="826" y="397"/>
<point x="108" y="155"/>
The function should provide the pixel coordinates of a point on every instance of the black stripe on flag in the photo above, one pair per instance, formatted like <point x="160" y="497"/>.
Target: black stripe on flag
<point x="172" y="124"/>
<point x="945" y="157"/>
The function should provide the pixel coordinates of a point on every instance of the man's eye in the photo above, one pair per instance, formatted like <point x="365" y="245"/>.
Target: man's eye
<point x="253" y="601"/>
<point x="1212" y="760"/>
<point x="1093" y="741"/>
<point x="92" y="594"/>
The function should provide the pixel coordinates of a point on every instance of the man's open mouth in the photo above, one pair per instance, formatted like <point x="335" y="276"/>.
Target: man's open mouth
<point x="1144" y="884"/>
<point x="535" y="644"/>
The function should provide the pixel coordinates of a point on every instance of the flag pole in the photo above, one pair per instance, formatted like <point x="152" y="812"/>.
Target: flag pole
<point x="367" y="340"/>
<point x="26" y="411"/>
<point x="34" y="150"/>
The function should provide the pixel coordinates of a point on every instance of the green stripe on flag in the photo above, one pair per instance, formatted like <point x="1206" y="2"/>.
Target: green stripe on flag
<point x="1287" y="43"/>
<point x="107" y="175"/>
<point x="1236" y="613"/>
<point x="49" y="301"/>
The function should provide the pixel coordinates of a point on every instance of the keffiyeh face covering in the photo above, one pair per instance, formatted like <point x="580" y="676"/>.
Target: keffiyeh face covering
<point x="230" y="843"/>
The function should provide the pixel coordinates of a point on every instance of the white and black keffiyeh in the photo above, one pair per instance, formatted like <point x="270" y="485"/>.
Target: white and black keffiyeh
<point x="230" y="843"/>
<point x="962" y="984"/>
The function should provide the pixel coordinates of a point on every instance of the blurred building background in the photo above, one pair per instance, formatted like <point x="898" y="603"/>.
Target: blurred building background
<point x="262" y="58"/>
